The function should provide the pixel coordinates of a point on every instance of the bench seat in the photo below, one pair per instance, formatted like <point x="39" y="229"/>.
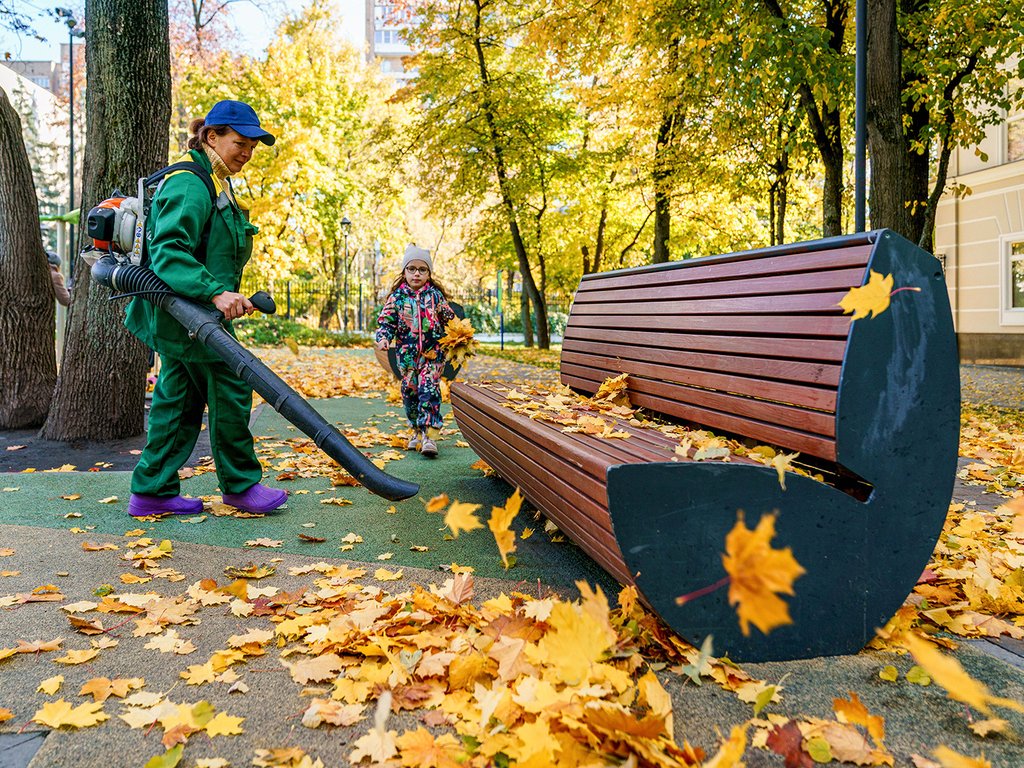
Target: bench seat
<point x="754" y="347"/>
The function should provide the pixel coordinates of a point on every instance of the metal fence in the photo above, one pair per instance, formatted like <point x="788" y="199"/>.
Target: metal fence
<point x="306" y="301"/>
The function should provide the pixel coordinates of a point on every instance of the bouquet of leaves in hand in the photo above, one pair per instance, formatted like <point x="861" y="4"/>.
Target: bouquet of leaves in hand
<point x="458" y="341"/>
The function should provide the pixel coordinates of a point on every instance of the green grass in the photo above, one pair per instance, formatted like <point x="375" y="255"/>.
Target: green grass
<point x="517" y="353"/>
<point x="276" y="331"/>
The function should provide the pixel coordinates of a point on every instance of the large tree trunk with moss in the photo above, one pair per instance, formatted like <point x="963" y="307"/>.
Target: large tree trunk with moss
<point x="101" y="390"/>
<point x="28" y="365"/>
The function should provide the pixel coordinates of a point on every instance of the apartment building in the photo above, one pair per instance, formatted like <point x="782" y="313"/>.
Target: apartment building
<point x="386" y="42"/>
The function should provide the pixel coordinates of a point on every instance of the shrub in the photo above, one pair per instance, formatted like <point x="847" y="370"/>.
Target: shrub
<point x="267" y="331"/>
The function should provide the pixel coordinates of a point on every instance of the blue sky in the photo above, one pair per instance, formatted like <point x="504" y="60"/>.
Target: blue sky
<point x="254" y="27"/>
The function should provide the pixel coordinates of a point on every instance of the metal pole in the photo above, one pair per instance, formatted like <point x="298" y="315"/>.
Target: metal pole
<point x="71" y="110"/>
<point x="860" y="154"/>
<point x="344" y="311"/>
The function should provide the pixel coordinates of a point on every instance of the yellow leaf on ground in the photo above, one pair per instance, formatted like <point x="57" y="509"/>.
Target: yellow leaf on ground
<point x="51" y="685"/>
<point x="60" y="713"/>
<point x="757" y="572"/>
<point x="855" y="712"/>
<point x="223" y="724"/>
<point x="420" y="748"/>
<point x="730" y="754"/>
<point x="5" y="715"/>
<point x="461" y="517"/>
<point x="78" y="657"/>
<point x="950" y="759"/>
<point x="101" y="688"/>
<point x="382" y="574"/>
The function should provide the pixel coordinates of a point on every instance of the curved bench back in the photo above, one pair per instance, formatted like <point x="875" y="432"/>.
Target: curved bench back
<point x="750" y="343"/>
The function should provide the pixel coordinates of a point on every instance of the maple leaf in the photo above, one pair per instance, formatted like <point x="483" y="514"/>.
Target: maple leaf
<point x="318" y="668"/>
<point x="101" y="688"/>
<point x="333" y="712"/>
<point x="730" y="754"/>
<point x="60" y="714"/>
<point x="787" y="740"/>
<point x="757" y="572"/>
<point x="39" y="646"/>
<point x="223" y="724"/>
<point x="168" y="759"/>
<point x="458" y="341"/>
<point x="51" y="685"/>
<point x="382" y="574"/>
<point x="78" y="657"/>
<point x="575" y="641"/>
<point x="853" y="711"/>
<point x="197" y="674"/>
<point x="869" y="299"/>
<point x="500" y="522"/>
<point x="264" y="542"/>
<point x="950" y="759"/>
<point x="436" y="504"/>
<point x="5" y="715"/>
<point x="947" y="672"/>
<point x="420" y="748"/>
<point x="461" y="517"/>
<point x="250" y="571"/>
<point x="377" y="745"/>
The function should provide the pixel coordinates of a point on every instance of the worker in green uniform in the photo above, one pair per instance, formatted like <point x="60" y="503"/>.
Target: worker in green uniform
<point x="199" y="248"/>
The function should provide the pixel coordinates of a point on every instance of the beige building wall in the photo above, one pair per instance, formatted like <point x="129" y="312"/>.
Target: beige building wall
<point x="980" y="239"/>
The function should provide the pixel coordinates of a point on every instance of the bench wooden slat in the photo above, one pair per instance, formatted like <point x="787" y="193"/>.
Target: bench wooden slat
<point x="815" y="326"/>
<point x="795" y="436"/>
<point x="801" y="396"/>
<point x="717" y="268"/>
<point x="769" y="305"/>
<point x="774" y="285"/>
<point x="767" y="408"/>
<point x="627" y="359"/>
<point x="758" y="346"/>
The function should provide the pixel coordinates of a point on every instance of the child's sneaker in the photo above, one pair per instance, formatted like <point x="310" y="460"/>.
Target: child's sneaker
<point x="428" y="447"/>
<point x="414" y="442"/>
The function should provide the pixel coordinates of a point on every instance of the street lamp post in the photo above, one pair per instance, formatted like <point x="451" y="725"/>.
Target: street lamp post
<point x="346" y="227"/>
<point x="71" y="22"/>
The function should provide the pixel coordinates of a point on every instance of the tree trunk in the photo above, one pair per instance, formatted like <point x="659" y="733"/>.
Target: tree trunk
<point x="890" y="167"/>
<point x="28" y="366"/>
<point x="524" y="316"/>
<point x="504" y="187"/>
<point x="662" y="178"/>
<point x="100" y="393"/>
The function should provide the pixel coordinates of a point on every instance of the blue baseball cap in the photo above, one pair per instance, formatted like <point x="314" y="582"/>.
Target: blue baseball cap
<point x="239" y="117"/>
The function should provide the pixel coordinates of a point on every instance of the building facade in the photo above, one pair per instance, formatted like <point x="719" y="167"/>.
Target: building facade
<point x="386" y="41"/>
<point x="979" y="236"/>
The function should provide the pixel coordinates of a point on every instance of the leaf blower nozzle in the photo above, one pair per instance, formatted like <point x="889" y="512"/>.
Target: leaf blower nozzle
<point x="205" y="325"/>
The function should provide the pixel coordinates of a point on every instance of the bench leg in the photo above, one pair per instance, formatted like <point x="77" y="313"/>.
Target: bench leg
<point x="862" y="558"/>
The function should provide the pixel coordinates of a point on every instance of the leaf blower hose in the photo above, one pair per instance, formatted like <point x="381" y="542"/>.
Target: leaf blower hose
<point x="205" y="325"/>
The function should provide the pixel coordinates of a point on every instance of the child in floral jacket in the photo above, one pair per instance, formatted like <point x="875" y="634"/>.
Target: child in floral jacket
<point x="414" y="317"/>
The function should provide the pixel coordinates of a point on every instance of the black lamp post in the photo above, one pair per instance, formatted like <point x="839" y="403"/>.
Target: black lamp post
<point x="71" y="22"/>
<point x="346" y="227"/>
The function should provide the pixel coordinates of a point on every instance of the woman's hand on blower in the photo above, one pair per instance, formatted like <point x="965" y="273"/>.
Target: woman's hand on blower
<point x="233" y="305"/>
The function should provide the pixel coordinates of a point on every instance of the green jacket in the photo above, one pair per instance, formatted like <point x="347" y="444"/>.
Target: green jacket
<point x="178" y="215"/>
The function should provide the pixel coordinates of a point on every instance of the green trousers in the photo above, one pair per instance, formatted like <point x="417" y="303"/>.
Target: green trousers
<point x="182" y="391"/>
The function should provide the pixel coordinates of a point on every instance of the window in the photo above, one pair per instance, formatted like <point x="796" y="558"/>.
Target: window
<point x="387" y="36"/>
<point x="1015" y="139"/>
<point x="1012" y="280"/>
<point x="1017" y="275"/>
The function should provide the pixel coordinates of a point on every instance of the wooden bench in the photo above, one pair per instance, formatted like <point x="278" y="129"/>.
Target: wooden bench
<point x="754" y="346"/>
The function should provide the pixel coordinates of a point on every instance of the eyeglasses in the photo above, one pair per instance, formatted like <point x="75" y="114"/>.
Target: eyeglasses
<point x="418" y="270"/>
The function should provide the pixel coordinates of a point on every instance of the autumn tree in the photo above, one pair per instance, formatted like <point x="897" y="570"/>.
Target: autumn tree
<point x="495" y="133"/>
<point x="940" y="72"/>
<point x="27" y="363"/>
<point x="330" y="113"/>
<point x="101" y="389"/>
